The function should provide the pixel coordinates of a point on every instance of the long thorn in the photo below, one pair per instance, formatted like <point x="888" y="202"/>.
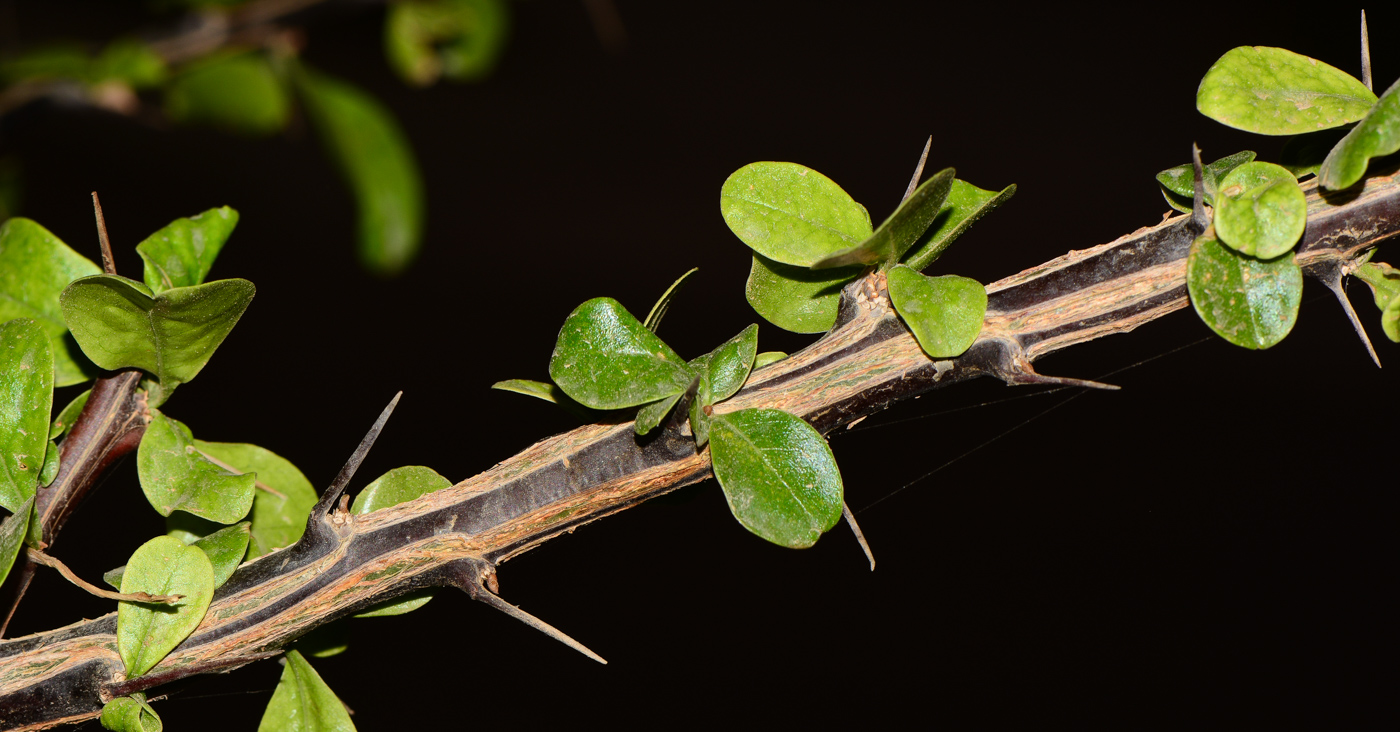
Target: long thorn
<point x="918" y="171"/>
<point x="1365" y="55"/>
<point x="1335" y="285"/>
<point x="1198" y="201"/>
<point x="537" y="624"/>
<point x="860" y="536"/>
<point x="109" y="265"/>
<point x="323" y="506"/>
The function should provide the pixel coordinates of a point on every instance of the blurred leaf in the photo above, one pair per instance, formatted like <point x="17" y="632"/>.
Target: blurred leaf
<point x="547" y="392"/>
<point x="1181" y="180"/>
<point x="235" y="91"/>
<point x="729" y="365"/>
<point x="778" y="475"/>
<point x="188" y="528"/>
<point x="146" y="632"/>
<point x="1303" y="154"/>
<point x="34" y="268"/>
<point x="606" y="359"/>
<point x="58" y="61"/>
<point x="130" y="714"/>
<point x="176" y="477"/>
<point x="131" y="62"/>
<point x="1385" y="286"/>
<point x="125" y="60"/>
<point x="962" y="208"/>
<point x="1260" y="210"/>
<point x="901" y="231"/>
<point x="278" y="518"/>
<point x="26" y="398"/>
<point x="51" y="464"/>
<point x="791" y="214"/>
<point x="181" y="254"/>
<point x="767" y="357"/>
<point x="1378" y="134"/>
<point x="331" y="639"/>
<point x="798" y="299"/>
<point x="12" y="532"/>
<point x="303" y="702"/>
<point x="225" y="549"/>
<point x="1273" y="91"/>
<point x="11" y="187"/>
<point x="374" y="155"/>
<point x="1248" y="302"/>
<point x="653" y="414"/>
<point x="461" y="39"/>
<point x="945" y="313"/>
<point x="658" y="311"/>
<point x="119" y="324"/>
<point x="68" y="415"/>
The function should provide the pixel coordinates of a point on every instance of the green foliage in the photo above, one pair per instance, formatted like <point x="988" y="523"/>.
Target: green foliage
<point x="1385" y="286"/>
<point x="68" y="415"/>
<point x="1260" y="210"/>
<point x="606" y="359"/>
<point x="663" y="304"/>
<point x="181" y="254"/>
<point x="778" y="475"/>
<point x="225" y="549"/>
<point x="1272" y="91"/>
<point x="175" y="475"/>
<point x="945" y="313"/>
<point x="373" y="154"/>
<point x="1248" y="302"/>
<point x="652" y="415"/>
<point x="546" y="392"/>
<point x="279" y="514"/>
<point x="767" y="357"/>
<point x="120" y="323"/>
<point x="51" y="464"/>
<point x="13" y="530"/>
<point x="962" y="208"/>
<point x="728" y="365"/>
<point x="1179" y="186"/>
<point x="1378" y="134"/>
<point x="898" y="234"/>
<point x="130" y="714"/>
<point x="236" y="91"/>
<point x="390" y="489"/>
<point x="124" y="60"/>
<point x="303" y="702"/>
<point x="147" y="632"/>
<point x="791" y="214"/>
<point x="459" y="39"/>
<point x="34" y="268"/>
<point x="26" y="397"/>
<point x="798" y="299"/>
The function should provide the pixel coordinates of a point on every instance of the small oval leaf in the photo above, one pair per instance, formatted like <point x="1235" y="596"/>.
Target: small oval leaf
<point x="729" y="365"/>
<point x="68" y="415"/>
<point x="1260" y="210"/>
<point x="146" y="633"/>
<point x="34" y="268"/>
<point x="945" y="313"/>
<point x="1377" y="135"/>
<point x="651" y="415"/>
<point x="130" y="714"/>
<point x="390" y="489"/>
<point x="303" y="703"/>
<point x="606" y="359"/>
<point x="461" y="39"/>
<point x="26" y="399"/>
<point x="798" y="299"/>
<point x="225" y="549"/>
<point x="181" y="253"/>
<point x="791" y="213"/>
<point x="767" y="357"/>
<point x="1385" y="286"/>
<point x="778" y="475"/>
<point x="1181" y="180"/>
<point x="175" y="476"/>
<point x="1273" y="91"/>
<point x="238" y="92"/>
<point x="279" y="517"/>
<point x="1248" y="302"/>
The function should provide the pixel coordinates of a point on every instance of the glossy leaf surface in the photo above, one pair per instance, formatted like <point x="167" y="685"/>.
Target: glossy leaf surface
<point x="374" y="155"/>
<point x="278" y="518"/>
<point x="729" y="365"/>
<point x="962" y="208"/>
<point x="1273" y="91"/>
<point x="663" y="304"/>
<point x="791" y="214"/>
<point x="68" y="415"/>
<point x="13" y="529"/>
<point x="1385" y="286"/>
<point x="113" y="577"/>
<point x="459" y="39"/>
<point x="390" y="489"/>
<point x="778" y="475"/>
<point x="34" y="268"/>
<point x="901" y="231"/>
<point x="606" y="359"/>
<point x="767" y="357"/>
<point x="225" y="549"/>
<point x="1377" y="135"/>
<point x="1181" y="180"/>
<point x="237" y="92"/>
<point x="146" y="632"/>
<point x="1260" y="210"/>
<point x="798" y="299"/>
<point x="26" y="399"/>
<point x="945" y="313"/>
<point x="303" y="703"/>
<point x="1248" y="302"/>
<point x="119" y="324"/>
<point x="181" y="253"/>
<point x="175" y="476"/>
<point x="130" y="714"/>
<point x="51" y="464"/>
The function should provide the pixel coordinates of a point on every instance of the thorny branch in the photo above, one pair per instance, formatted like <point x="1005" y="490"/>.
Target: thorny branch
<point x="457" y="536"/>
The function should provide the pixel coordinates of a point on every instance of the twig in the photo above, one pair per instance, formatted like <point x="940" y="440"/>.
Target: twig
<point x="109" y="265"/>
<point x="39" y="557"/>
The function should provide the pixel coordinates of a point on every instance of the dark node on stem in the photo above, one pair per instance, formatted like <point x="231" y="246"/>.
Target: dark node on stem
<point x="1199" y="221"/>
<point x="317" y="524"/>
<point x="1332" y="274"/>
<point x="109" y="266"/>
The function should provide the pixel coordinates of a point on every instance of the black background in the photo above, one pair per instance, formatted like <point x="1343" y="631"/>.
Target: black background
<point x="1213" y="543"/>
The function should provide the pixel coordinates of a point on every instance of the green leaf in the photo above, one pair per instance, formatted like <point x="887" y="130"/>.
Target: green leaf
<point x="26" y="398"/>
<point x="189" y="529"/>
<point x="1385" y="286"/>
<point x="12" y="532"/>
<point x="1177" y="202"/>
<point x="790" y="213"/>
<point x="658" y="311"/>
<point x="58" y="61"/>
<point x="131" y="62"/>
<point x="962" y="208"/>
<point x="547" y="392"/>
<point x="278" y="518"/>
<point x="175" y="476"/>
<point x="147" y="632"/>
<point x="728" y="366"/>
<point x="1272" y="91"/>
<point x="778" y="475"/>
<point x="461" y="39"/>
<point x="181" y="254"/>
<point x="798" y="299"/>
<point x="1377" y="135"/>
<point x="51" y="464"/>
<point x="1303" y="154"/>
<point x="374" y="155"/>
<point x="653" y="414"/>
<point x="331" y="639"/>
<point x="606" y="359"/>
<point x="225" y="549"/>
<point x="68" y="415"/>
<point x="767" y="357"/>
<point x="120" y="324"/>
<point x="238" y="92"/>
<point x="303" y="702"/>
<point x="704" y="397"/>
<point x="1260" y="210"/>
<point x="113" y="577"/>
<point x="1248" y="302"/>
<point x="945" y="313"/>
<point x="130" y="714"/>
<point x="396" y="486"/>
<point x="34" y="268"/>
<point x="1181" y="180"/>
<point x="901" y="231"/>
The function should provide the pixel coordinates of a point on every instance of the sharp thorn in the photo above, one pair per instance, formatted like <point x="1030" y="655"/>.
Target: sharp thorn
<point x="860" y="536"/>
<point x="109" y="265"/>
<point x="918" y="171"/>
<point x="327" y="500"/>
<point x="1198" y="201"/>
<point x="1366" y="55"/>
<point x="1335" y="285"/>
<point x="536" y="623"/>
